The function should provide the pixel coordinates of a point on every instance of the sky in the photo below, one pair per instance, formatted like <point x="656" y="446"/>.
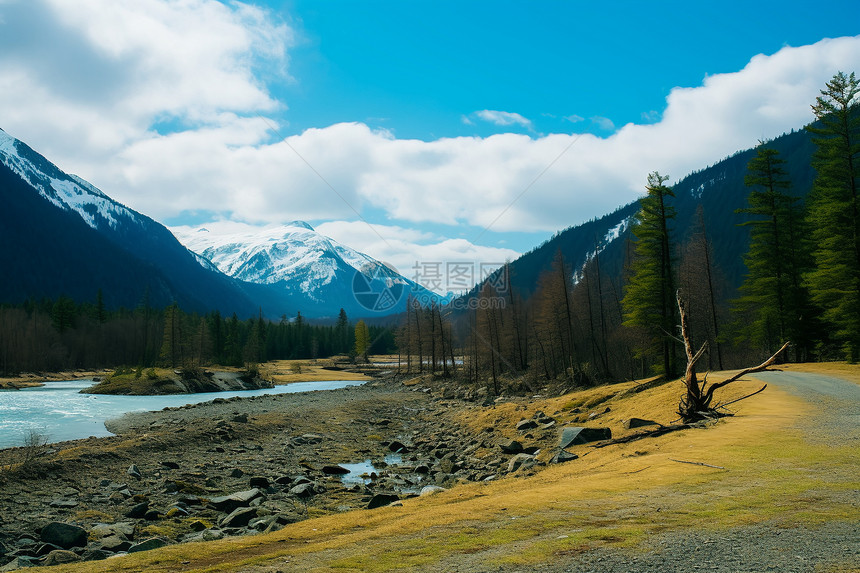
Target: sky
<point x="417" y="132"/>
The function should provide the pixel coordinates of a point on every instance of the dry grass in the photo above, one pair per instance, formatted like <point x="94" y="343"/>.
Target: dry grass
<point x="289" y="371"/>
<point x="616" y="495"/>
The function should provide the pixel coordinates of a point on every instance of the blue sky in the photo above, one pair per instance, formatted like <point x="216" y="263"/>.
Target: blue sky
<point x="456" y="130"/>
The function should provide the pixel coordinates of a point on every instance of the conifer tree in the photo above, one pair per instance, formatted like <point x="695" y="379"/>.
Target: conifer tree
<point x="649" y="300"/>
<point x="834" y="210"/>
<point x="773" y="302"/>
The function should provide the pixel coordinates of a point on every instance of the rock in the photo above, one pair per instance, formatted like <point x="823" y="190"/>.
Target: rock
<point x="19" y="562"/>
<point x="571" y="436"/>
<point x="123" y="530"/>
<point x="152" y="515"/>
<point x="170" y="465"/>
<point x="228" y="503"/>
<point x="398" y="447"/>
<point x="638" y="423"/>
<point x="563" y="456"/>
<point x="197" y="525"/>
<point x="146" y="545"/>
<point x="511" y="446"/>
<point x="524" y="461"/>
<point x="334" y="470"/>
<point x="64" y="503"/>
<point x="59" y="557"/>
<point x="64" y="535"/>
<point x="241" y="418"/>
<point x="305" y="489"/>
<point x="138" y="511"/>
<point x="447" y="465"/>
<point x="381" y="500"/>
<point x="236" y="473"/>
<point x="259" y="482"/>
<point x="430" y="490"/>
<point x="114" y="544"/>
<point x="239" y="517"/>
<point x="133" y="471"/>
<point x="524" y="425"/>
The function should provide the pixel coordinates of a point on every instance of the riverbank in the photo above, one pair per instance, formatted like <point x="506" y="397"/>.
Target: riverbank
<point x="31" y="379"/>
<point x="754" y="477"/>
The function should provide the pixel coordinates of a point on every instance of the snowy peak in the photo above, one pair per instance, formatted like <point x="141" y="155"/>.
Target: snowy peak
<point x="64" y="191"/>
<point x="293" y="253"/>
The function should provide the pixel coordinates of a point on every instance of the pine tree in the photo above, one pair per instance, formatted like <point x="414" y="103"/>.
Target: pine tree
<point x="773" y="302"/>
<point x="649" y="300"/>
<point x="834" y="210"/>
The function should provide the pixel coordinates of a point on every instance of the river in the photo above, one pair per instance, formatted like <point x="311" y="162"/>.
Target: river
<point x="60" y="412"/>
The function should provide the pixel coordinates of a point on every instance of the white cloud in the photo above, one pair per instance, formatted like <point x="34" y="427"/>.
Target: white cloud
<point x="157" y="103"/>
<point x="574" y="118"/>
<point x="503" y="118"/>
<point x="603" y="123"/>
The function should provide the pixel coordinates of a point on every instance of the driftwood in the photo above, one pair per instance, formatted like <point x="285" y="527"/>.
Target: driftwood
<point x="696" y="403"/>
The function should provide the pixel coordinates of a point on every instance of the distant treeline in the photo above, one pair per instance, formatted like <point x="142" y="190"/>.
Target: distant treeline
<point x="53" y="335"/>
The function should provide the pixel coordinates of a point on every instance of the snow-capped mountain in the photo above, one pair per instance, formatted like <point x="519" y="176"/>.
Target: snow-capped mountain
<point x="302" y="261"/>
<point x="60" y="235"/>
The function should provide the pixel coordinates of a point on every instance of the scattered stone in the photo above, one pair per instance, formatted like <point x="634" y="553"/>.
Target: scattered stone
<point x="114" y="544"/>
<point x="133" y="471"/>
<point x="138" y="511"/>
<point x="236" y="473"/>
<point x="64" y="535"/>
<point x="524" y="425"/>
<point x="398" y="447"/>
<point x="170" y="465"/>
<point x="241" y="419"/>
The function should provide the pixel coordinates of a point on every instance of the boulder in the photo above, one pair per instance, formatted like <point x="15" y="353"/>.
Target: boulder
<point x="334" y="470"/>
<point x="64" y="503"/>
<point x="259" y="482"/>
<point x="133" y="471"/>
<point x="305" y="489"/>
<point x="114" y="544"/>
<point x="430" y="490"/>
<point x="239" y="517"/>
<point x="524" y="425"/>
<point x="563" y="456"/>
<point x="398" y="447"/>
<point x="572" y="436"/>
<point x="227" y="503"/>
<point x="381" y="500"/>
<point x="511" y="446"/>
<point x="521" y="461"/>
<point x="170" y="465"/>
<point x="59" y="557"/>
<point x="64" y="535"/>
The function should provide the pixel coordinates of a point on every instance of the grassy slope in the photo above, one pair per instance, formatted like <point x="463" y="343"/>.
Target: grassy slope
<point x="616" y="495"/>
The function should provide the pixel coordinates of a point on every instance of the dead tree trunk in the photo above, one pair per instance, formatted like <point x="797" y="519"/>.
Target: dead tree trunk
<point x="696" y="403"/>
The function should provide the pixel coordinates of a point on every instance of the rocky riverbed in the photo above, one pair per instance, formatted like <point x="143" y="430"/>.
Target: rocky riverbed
<point x="239" y="466"/>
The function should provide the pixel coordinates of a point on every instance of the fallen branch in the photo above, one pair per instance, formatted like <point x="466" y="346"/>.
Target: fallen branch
<point x="697" y="464"/>
<point x="743" y="397"/>
<point x="637" y="471"/>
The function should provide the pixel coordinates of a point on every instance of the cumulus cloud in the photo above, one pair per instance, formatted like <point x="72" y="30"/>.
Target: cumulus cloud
<point x="88" y="90"/>
<point x="504" y="118"/>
